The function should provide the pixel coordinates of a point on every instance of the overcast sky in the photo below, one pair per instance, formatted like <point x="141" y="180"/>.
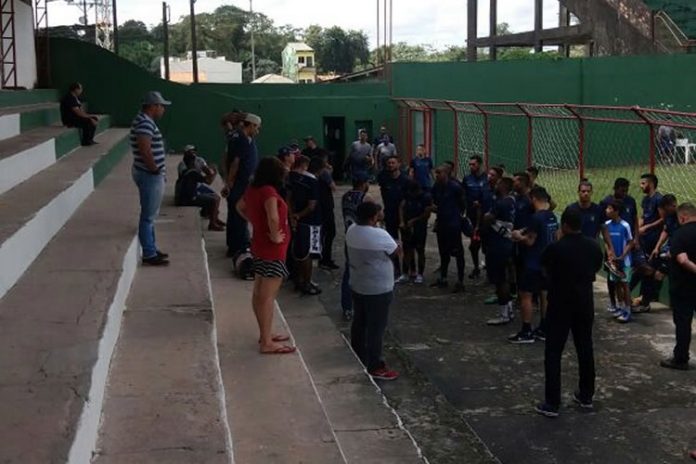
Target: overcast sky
<point x="439" y="23"/>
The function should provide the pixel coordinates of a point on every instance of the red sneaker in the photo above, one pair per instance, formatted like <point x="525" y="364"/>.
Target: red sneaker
<point x="382" y="373"/>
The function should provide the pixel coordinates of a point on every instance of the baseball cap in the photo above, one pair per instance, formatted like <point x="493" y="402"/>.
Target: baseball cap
<point x="294" y="147"/>
<point x="283" y="152"/>
<point x="189" y="148"/>
<point x="308" y="138"/>
<point x="253" y="118"/>
<point x="155" y="98"/>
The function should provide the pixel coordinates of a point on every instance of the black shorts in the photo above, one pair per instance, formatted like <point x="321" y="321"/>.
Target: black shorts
<point x="270" y="269"/>
<point x="497" y="267"/>
<point x="414" y="237"/>
<point x="449" y="242"/>
<point x="306" y="241"/>
<point x="531" y="281"/>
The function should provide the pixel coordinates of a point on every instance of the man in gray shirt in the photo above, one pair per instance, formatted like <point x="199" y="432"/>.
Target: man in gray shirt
<point x="360" y="156"/>
<point x="370" y="252"/>
<point x="385" y="150"/>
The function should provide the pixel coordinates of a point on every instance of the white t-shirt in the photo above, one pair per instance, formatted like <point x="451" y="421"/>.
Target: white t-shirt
<point x="371" y="268"/>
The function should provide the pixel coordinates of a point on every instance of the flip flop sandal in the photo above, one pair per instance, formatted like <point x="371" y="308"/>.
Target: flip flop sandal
<point x="279" y="338"/>
<point x="285" y="349"/>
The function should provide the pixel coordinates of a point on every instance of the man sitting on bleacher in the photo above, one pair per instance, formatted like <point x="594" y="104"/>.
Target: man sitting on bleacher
<point x="193" y="187"/>
<point x="72" y="115"/>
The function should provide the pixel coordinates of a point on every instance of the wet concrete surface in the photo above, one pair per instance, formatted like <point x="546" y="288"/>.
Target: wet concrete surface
<point x="467" y="395"/>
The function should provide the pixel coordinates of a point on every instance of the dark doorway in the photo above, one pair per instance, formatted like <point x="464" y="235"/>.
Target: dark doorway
<point x="335" y="143"/>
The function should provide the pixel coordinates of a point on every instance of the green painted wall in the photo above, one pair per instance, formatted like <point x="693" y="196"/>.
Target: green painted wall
<point x="115" y="86"/>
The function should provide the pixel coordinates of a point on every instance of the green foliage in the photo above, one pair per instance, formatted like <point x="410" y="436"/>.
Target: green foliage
<point x="337" y="50"/>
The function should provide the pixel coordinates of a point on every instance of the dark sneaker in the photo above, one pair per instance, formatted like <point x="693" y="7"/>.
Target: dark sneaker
<point x="348" y="315"/>
<point x="475" y="274"/>
<point x="382" y="373"/>
<point x="439" y="283"/>
<point x="539" y="334"/>
<point x="522" y="337"/>
<point x="162" y="254"/>
<point x="584" y="404"/>
<point x="546" y="410"/>
<point x="671" y="363"/>
<point x="156" y="260"/>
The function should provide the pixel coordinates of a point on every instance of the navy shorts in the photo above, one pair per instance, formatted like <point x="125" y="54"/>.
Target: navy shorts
<point x="449" y="242"/>
<point x="306" y="241"/>
<point x="415" y="237"/>
<point x="497" y="267"/>
<point x="531" y="281"/>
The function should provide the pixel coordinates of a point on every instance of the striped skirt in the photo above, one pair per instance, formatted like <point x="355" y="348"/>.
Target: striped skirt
<point x="270" y="269"/>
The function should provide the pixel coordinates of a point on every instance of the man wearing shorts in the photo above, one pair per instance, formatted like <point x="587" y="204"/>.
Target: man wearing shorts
<point x="414" y="213"/>
<point x="475" y="186"/>
<point x="543" y="230"/>
<point x="499" y="248"/>
<point x="305" y="218"/>
<point x="450" y="206"/>
<point x="392" y="184"/>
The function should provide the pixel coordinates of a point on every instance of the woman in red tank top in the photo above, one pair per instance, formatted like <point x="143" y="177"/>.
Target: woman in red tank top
<point x="267" y="212"/>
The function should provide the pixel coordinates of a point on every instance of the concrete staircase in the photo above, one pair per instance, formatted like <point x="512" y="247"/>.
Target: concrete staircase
<point x="102" y="361"/>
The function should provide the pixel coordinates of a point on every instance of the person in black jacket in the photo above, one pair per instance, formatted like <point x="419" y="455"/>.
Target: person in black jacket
<point x="570" y="265"/>
<point x="72" y="114"/>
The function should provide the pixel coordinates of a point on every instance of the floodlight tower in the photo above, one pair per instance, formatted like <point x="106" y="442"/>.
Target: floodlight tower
<point x="103" y="20"/>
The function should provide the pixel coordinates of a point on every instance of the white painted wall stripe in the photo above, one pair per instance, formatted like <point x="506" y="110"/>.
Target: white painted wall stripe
<point x="21" y="249"/>
<point x="87" y="433"/>
<point x="21" y="166"/>
<point x="9" y="126"/>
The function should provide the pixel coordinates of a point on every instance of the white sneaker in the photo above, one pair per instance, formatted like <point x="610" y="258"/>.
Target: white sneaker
<point x="612" y="309"/>
<point x="418" y="279"/>
<point x="510" y="310"/>
<point x="504" y="317"/>
<point x="403" y="278"/>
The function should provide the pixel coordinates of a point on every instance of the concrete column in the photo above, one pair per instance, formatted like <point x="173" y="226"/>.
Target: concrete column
<point x="538" y="24"/>
<point x="472" y="30"/>
<point x="563" y="21"/>
<point x="493" y="28"/>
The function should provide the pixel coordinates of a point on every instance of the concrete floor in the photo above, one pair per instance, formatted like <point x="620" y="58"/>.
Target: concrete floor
<point x="467" y="395"/>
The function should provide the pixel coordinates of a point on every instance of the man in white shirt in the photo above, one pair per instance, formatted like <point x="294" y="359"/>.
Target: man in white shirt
<point x="370" y="252"/>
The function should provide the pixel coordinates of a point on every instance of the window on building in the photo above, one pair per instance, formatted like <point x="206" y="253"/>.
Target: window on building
<point x="310" y="62"/>
<point x="300" y="59"/>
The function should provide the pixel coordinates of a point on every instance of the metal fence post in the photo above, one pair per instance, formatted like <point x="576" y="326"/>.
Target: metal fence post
<point x="486" y="133"/>
<point x="581" y="140"/>
<point x="652" y="160"/>
<point x="530" y="133"/>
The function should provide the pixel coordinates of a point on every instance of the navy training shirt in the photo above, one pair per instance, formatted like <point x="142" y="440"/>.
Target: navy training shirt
<point x="475" y="188"/>
<point x="303" y="189"/>
<point x="651" y="213"/>
<point x="392" y="190"/>
<point x="592" y="218"/>
<point x="415" y="205"/>
<point x="523" y="211"/>
<point x="498" y="237"/>
<point x="450" y="202"/>
<point x="241" y="147"/>
<point x="422" y="167"/>
<point x="545" y="225"/>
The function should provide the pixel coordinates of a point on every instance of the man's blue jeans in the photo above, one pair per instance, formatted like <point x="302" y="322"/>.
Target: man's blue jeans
<point x="151" y="189"/>
<point x="237" y="228"/>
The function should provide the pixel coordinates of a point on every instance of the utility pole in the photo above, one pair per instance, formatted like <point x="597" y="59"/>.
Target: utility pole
<point x="165" y="33"/>
<point x="253" y="53"/>
<point x="194" y="51"/>
<point x="378" y="50"/>
<point x="115" y="19"/>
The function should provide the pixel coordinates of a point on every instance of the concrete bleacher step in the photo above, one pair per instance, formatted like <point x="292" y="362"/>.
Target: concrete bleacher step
<point x="24" y="155"/>
<point x="34" y="210"/>
<point x="60" y="321"/>
<point x="316" y="406"/>
<point x="164" y="399"/>
<point x="18" y="119"/>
